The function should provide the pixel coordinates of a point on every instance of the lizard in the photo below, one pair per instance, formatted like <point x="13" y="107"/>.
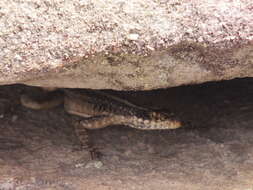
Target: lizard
<point x="97" y="109"/>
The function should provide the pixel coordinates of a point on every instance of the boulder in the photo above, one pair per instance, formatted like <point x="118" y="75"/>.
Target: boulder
<point x="124" y="45"/>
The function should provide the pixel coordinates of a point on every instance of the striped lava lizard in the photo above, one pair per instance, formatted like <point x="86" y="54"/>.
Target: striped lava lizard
<point x="99" y="109"/>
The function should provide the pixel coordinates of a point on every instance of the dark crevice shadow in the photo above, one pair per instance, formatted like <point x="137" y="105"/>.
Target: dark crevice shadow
<point x="211" y="104"/>
<point x="205" y="105"/>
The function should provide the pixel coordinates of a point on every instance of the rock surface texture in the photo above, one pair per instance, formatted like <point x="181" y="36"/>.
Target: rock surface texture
<point x="124" y="45"/>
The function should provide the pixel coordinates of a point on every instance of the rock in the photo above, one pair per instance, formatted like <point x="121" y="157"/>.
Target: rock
<point x="94" y="164"/>
<point x="7" y="184"/>
<point x="124" y="45"/>
<point x="14" y="118"/>
<point x="128" y="153"/>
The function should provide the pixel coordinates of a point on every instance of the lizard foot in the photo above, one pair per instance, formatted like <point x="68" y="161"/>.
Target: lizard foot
<point x="83" y="137"/>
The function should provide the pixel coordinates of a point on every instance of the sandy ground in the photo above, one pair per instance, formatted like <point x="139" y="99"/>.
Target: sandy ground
<point x="214" y="151"/>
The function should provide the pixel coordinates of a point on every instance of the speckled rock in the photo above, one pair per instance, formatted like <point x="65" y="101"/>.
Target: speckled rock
<point x="124" y="45"/>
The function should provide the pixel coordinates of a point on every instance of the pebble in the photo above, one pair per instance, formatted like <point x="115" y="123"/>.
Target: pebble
<point x="80" y="165"/>
<point x="94" y="164"/>
<point x="14" y="118"/>
<point x="128" y="153"/>
<point x="133" y="36"/>
<point x="115" y="158"/>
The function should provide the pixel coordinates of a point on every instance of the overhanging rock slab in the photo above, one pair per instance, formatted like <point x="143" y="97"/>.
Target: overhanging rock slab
<point x="124" y="45"/>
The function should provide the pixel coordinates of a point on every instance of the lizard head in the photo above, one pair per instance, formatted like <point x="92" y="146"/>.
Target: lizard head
<point x="162" y="120"/>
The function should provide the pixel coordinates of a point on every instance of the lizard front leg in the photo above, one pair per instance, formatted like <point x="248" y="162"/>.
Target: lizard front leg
<point x="83" y="137"/>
